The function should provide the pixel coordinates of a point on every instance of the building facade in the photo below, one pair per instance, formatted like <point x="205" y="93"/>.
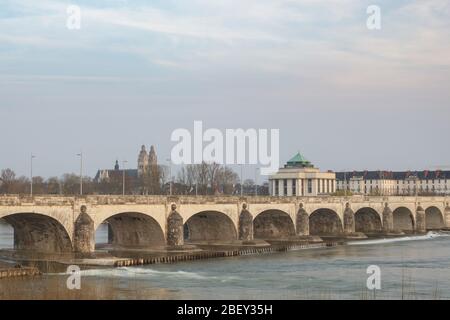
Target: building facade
<point x="299" y="177"/>
<point x="395" y="183"/>
<point x="144" y="165"/>
<point x="116" y="174"/>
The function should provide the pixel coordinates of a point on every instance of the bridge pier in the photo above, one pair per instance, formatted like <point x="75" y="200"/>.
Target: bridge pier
<point x="349" y="220"/>
<point x="388" y="219"/>
<point x="420" y="220"/>
<point x="447" y="215"/>
<point x="84" y="233"/>
<point x="175" y="236"/>
<point x="302" y="222"/>
<point x="245" y="224"/>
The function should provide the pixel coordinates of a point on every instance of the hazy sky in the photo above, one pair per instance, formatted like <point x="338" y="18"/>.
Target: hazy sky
<point x="346" y="96"/>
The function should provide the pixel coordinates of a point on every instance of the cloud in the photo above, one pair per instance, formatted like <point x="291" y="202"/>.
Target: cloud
<point x="323" y="41"/>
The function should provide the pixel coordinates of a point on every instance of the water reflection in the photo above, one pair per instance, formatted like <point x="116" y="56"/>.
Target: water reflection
<point x="415" y="269"/>
<point x="6" y="235"/>
<point x="101" y="234"/>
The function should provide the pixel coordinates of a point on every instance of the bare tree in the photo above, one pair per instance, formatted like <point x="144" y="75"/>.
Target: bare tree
<point x="7" y="179"/>
<point x="70" y="184"/>
<point x="227" y="180"/>
<point x="53" y="185"/>
<point x="39" y="185"/>
<point x="213" y="172"/>
<point x="207" y="178"/>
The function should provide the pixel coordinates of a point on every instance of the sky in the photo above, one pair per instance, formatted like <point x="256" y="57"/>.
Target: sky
<point x="347" y="97"/>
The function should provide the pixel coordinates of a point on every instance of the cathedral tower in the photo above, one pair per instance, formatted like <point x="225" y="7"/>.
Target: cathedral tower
<point x="142" y="161"/>
<point x="153" y="159"/>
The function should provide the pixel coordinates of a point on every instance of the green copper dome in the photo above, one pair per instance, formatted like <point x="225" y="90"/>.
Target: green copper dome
<point x="299" y="161"/>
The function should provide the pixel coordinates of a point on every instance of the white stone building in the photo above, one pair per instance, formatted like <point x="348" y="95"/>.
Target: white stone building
<point x="395" y="183"/>
<point x="300" y="178"/>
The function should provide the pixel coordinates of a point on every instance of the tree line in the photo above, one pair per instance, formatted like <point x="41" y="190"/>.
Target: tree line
<point x="195" y="179"/>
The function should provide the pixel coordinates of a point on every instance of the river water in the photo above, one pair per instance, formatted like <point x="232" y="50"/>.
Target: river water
<point x="416" y="267"/>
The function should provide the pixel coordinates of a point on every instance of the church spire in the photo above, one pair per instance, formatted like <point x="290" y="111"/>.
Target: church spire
<point x="153" y="159"/>
<point x="142" y="161"/>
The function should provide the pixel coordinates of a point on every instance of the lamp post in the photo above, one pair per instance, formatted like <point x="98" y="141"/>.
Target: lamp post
<point x="256" y="182"/>
<point x="242" y="183"/>
<point x="170" y="174"/>
<point x="123" y="176"/>
<point x="345" y="183"/>
<point x="415" y="185"/>
<point x="31" y="174"/>
<point x="81" y="172"/>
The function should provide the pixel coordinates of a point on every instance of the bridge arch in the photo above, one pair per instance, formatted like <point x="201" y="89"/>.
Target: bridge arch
<point x="403" y="219"/>
<point x="273" y="223"/>
<point x="134" y="229"/>
<point x="434" y="219"/>
<point x="210" y="226"/>
<point x="325" y="221"/>
<point x="367" y="220"/>
<point x="38" y="232"/>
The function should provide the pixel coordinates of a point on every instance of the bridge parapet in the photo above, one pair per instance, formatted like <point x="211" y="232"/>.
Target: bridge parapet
<point x="159" y="199"/>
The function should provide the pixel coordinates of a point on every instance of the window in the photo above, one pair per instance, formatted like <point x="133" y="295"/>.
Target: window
<point x="285" y="187"/>
<point x="294" y="187"/>
<point x="309" y="185"/>
<point x="277" y="193"/>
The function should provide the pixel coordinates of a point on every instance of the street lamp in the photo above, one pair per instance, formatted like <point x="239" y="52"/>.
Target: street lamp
<point x="256" y="181"/>
<point x="31" y="174"/>
<point x="81" y="172"/>
<point x="123" y="176"/>
<point x="170" y="174"/>
<point x="345" y="183"/>
<point x="242" y="183"/>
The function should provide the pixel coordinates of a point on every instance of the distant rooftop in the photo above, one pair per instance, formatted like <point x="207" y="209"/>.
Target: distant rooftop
<point x="394" y="175"/>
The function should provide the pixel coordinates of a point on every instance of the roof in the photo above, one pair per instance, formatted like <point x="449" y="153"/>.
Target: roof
<point x="131" y="173"/>
<point x="298" y="161"/>
<point x="394" y="175"/>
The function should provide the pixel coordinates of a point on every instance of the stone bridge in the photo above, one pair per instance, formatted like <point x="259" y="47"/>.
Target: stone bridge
<point x="66" y="224"/>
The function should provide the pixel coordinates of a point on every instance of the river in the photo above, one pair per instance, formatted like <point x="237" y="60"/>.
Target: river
<point x="416" y="267"/>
